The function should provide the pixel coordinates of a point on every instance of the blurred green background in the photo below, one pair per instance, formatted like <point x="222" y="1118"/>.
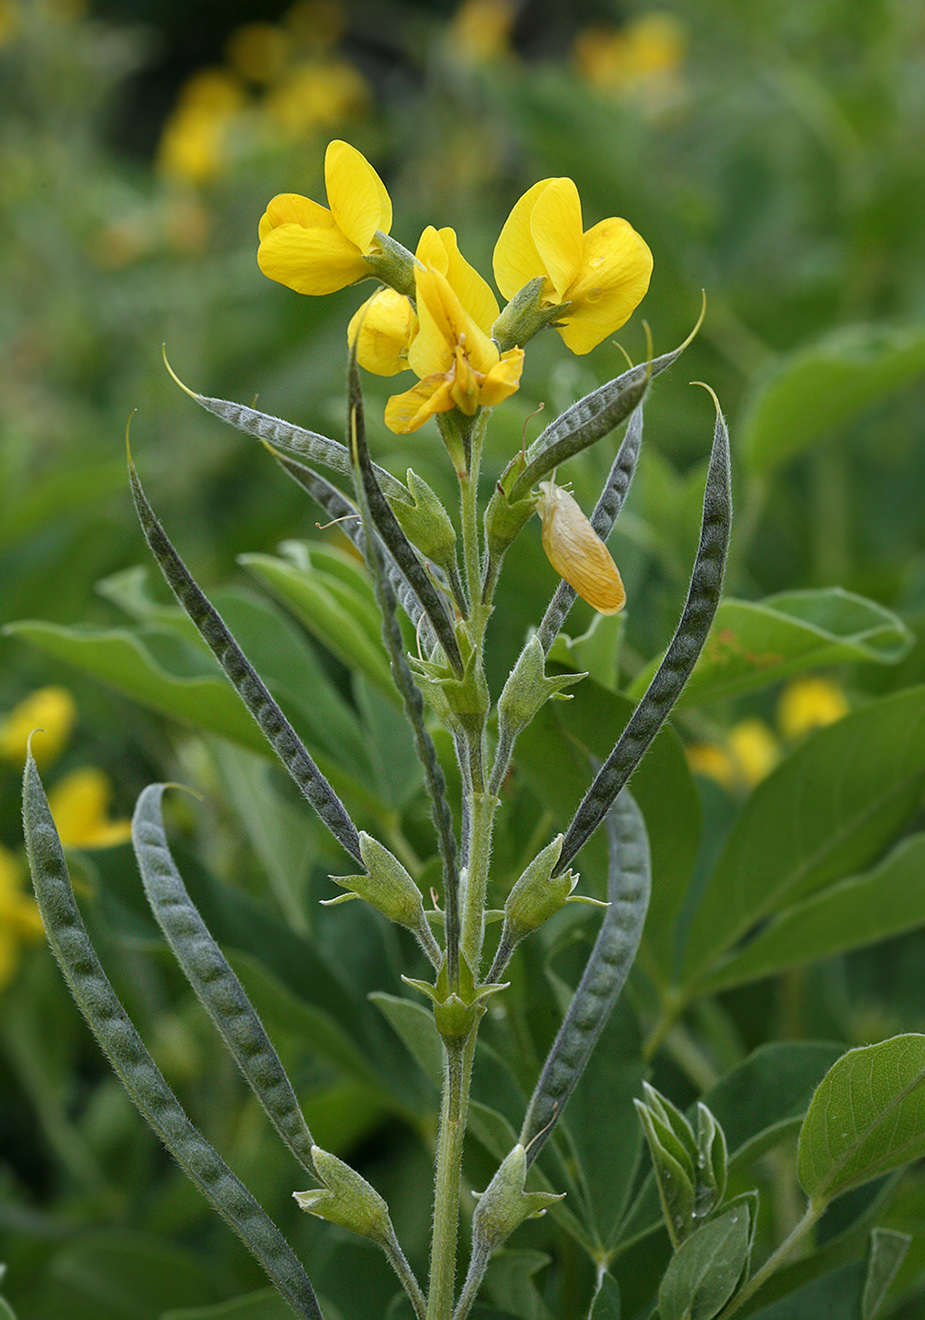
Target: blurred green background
<point x="770" y="153"/>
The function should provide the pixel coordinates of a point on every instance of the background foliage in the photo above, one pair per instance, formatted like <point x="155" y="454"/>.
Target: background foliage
<point x="770" y="153"/>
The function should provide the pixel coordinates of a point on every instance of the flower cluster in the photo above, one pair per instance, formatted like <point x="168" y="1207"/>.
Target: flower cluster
<point x="436" y="316"/>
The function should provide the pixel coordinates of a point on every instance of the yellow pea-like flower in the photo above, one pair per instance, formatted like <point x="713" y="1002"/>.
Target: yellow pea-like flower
<point x="576" y="551"/>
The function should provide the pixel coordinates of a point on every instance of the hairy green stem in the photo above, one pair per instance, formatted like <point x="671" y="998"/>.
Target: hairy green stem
<point x="472" y="928"/>
<point x="453" y="1114"/>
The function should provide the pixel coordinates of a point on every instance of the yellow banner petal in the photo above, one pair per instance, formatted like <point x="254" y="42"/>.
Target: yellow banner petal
<point x="516" y="260"/>
<point x="357" y="196"/>
<point x="556" y="228"/>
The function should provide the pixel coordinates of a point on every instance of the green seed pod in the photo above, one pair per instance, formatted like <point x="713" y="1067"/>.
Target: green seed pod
<point x="346" y="1199"/>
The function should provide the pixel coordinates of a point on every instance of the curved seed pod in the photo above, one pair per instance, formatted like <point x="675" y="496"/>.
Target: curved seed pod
<point x="211" y="976"/>
<point x="702" y="599"/>
<point x="410" y="694"/>
<point x="337" y="507"/>
<point x="628" y="884"/>
<point x="591" y="418"/>
<point x="284" y="435"/>
<point x="576" y="552"/>
<point x="137" y="1071"/>
<point x="387" y="525"/>
<point x="277" y="730"/>
<point x="603" y="518"/>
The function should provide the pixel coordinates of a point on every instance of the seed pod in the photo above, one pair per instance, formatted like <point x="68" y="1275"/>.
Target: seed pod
<point x="576" y="551"/>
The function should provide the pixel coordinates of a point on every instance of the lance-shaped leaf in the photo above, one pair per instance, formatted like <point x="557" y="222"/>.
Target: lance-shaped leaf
<point x="628" y="884"/>
<point x="284" y="435"/>
<point x="211" y="976"/>
<point x="136" y="1069"/>
<point x="388" y="527"/>
<point x="249" y="686"/>
<point x="705" y="1271"/>
<point x="404" y="681"/>
<point x="340" y="509"/>
<point x="702" y="600"/>
<point x="602" y="520"/>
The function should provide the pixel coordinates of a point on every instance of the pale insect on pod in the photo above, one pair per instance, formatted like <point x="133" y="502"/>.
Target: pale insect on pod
<point x="576" y="551"/>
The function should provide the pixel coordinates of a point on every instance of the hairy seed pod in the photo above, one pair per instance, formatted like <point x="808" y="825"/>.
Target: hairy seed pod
<point x="576" y="551"/>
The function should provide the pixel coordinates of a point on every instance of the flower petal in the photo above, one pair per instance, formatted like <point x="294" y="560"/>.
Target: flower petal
<point x="615" y="271"/>
<point x="409" y="411"/>
<point x="357" y="196"/>
<point x="314" y="261"/>
<point x="386" y="325"/>
<point x="556" y="228"/>
<point x="516" y="260"/>
<point x="294" y="209"/>
<point x="473" y="292"/>
<point x="503" y="379"/>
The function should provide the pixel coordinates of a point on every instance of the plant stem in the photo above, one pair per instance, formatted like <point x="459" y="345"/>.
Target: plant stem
<point x="468" y="493"/>
<point x="774" y="1261"/>
<point x="453" y="1113"/>
<point x="482" y="815"/>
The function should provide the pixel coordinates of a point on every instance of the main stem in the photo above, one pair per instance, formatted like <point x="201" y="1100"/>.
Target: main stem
<point x="453" y="1115"/>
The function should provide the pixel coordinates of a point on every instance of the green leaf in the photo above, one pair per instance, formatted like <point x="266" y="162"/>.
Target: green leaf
<point x="851" y="914"/>
<point x="606" y="1304"/>
<point x="703" y="1273"/>
<point x="807" y="396"/>
<point x="335" y="613"/>
<point x="887" y="1252"/>
<point x="415" y="1025"/>
<point x="828" y="810"/>
<point x="6" y="1311"/>
<point x="754" y="644"/>
<point x="866" y="1118"/>
<point x="262" y="1305"/>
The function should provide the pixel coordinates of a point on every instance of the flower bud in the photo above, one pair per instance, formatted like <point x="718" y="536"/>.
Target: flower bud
<point x="346" y="1199"/>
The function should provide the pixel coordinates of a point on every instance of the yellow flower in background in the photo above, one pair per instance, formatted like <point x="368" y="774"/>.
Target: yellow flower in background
<point x="755" y="750"/>
<point x="603" y="274"/>
<point x="642" y="58"/>
<point x="810" y="703"/>
<point x="19" y="916"/>
<point x="316" y="95"/>
<point x="195" y="145"/>
<point x="480" y="30"/>
<point x="452" y="352"/>
<point x="49" y="709"/>
<point x="314" y="250"/>
<point x="258" y="51"/>
<point x="79" y="804"/>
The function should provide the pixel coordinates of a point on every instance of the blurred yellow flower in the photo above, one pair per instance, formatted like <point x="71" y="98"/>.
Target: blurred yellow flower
<point x="196" y="141"/>
<point x="315" y="250"/>
<point x="452" y="352"/>
<point x="480" y="30"/>
<point x="602" y="275"/>
<point x="10" y="19"/>
<point x="19" y="916"/>
<point x="749" y="754"/>
<point x="258" y="52"/>
<point x="79" y="803"/>
<point x="642" y="57"/>
<point x="50" y="709"/>
<point x="809" y="703"/>
<point x="316" y="95"/>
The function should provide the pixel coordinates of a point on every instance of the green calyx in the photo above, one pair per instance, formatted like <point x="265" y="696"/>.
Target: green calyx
<point x="427" y="524"/>
<point x="457" y="1009"/>
<point x="537" y="895"/>
<point x="388" y="888"/>
<point x="392" y="264"/>
<point x="504" y="519"/>
<point x="346" y="1199"/>
<point x="504" y="1205"/>
<point x="525" y="316"/>
<point x="461" y="704"/>
<point x="529" y="687"/>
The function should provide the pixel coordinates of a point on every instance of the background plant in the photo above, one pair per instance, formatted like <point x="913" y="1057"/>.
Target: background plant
<point x="841" y="510"/>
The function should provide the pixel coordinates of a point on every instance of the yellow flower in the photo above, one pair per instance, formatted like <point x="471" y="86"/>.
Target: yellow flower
<point x="641" y="58"/>
<point x="602" y="274"/>
<point x="49" y="709"/>
<point x="452" y="352"/>
<point x="384" y="328"/>
<point x="754" y="749"/>
<point x="809" y="703"/>
<point x="480" y="30"/>
<point x="315" y="250"/>
<point x="19" y="916"/>
<point x="79" y="804"/>
<point x="316" y="95"/>
<point x="196" y="142"/>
